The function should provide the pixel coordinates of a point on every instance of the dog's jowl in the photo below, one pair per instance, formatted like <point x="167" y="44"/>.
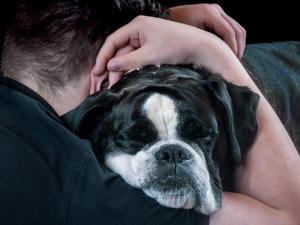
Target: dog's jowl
<point x="174" y="132"/>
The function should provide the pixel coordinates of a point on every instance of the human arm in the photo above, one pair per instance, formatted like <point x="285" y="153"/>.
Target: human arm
<point x="211" y="17"/>
<point x="271" y="170"/>
<point x="270" y="199"/>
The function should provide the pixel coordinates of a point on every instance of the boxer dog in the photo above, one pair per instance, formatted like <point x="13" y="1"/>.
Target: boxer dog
<point x="175" y="132"/>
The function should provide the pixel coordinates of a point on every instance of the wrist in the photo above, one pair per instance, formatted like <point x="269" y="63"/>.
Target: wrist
<point x="215" y="55"/>
<point x="211" y="52"/>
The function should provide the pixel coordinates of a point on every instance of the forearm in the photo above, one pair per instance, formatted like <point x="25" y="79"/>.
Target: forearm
<point x="239" y="209"/>
<point x="271" y="170"/>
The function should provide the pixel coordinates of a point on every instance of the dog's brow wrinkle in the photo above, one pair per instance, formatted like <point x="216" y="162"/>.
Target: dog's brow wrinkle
<point x="162" y="117"/>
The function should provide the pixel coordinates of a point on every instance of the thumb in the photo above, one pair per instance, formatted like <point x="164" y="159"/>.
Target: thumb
<point x="131" y="60"/>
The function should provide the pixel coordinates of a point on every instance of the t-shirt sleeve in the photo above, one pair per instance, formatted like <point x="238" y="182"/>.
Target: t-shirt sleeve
<point x="101" y="197"/>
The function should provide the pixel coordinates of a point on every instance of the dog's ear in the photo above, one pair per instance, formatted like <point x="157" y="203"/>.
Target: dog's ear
<point x="238" y="107"/>
<point x="83" y="119"/>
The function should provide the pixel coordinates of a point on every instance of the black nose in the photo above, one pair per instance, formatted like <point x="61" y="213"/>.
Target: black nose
<point x="172" y="154"/>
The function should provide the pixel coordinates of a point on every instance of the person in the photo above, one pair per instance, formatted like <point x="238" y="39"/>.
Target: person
<point x="50" y="176"/>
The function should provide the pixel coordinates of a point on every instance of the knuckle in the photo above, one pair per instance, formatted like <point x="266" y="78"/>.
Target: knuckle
<point x="244" y="31"/>
<point x="216" y="7"/>
<point x="239" y="32"/>
<point x="109" y="40"/>
<point x="231" y="33"/>
<point x="208" y="8"/>
<point x="140" y="18"/>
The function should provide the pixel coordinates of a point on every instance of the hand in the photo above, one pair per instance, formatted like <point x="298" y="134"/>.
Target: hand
<point x="149" y="40"/>
<point x="211" y="17"/>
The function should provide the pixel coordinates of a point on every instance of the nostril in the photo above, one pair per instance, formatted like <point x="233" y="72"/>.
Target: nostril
<point x="184" y="155"/>
<point x="163" y="155"/>
<point x="172" y="154"/>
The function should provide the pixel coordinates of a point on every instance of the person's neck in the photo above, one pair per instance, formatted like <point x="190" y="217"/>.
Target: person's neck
<point x="65" y="99"/>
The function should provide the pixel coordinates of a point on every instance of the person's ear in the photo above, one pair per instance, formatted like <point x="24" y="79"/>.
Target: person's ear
<point x="86" y="117"/>
<point x="238" y="107"/>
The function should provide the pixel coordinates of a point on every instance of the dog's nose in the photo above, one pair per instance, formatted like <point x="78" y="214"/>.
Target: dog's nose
<point x="172" y="154"/>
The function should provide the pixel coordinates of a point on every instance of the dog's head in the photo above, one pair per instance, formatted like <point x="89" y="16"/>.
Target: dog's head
<point x="171" y="131"/>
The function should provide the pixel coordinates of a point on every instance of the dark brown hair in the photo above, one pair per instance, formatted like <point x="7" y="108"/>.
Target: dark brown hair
<point x="55" y="41"/>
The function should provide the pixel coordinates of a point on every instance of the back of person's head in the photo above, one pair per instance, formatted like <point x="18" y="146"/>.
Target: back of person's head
<point x="54" y="42"/>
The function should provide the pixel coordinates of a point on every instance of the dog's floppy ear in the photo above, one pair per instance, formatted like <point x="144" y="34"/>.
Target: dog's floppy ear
<point x="86" y="116"/>
<point x="238" y="107"/>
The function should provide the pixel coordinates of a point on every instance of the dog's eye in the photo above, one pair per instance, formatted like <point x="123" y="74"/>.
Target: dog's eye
<point x="140" y="133"/>
<point x="194" y="130"/>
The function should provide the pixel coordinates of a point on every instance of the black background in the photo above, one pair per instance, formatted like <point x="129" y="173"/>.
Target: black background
<point x="265" y="21"/>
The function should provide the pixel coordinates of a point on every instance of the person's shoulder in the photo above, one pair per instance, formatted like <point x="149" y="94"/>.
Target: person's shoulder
<point x="40" y="161"/>
<point x="38" y="178"/>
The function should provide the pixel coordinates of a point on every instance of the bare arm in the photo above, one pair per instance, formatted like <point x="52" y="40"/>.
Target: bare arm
<point x="268" y="181"/>
<point x="212" y="17"/>
<point x="271" y="171"/>
<point x="270" y="175"/>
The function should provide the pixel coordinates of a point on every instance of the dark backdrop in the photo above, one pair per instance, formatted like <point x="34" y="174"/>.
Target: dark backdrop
<point x="265" y="21"/>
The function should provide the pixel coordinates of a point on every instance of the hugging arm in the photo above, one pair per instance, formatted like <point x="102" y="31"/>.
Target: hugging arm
<point x="209" y="17"/>
<point x="212" y="17"/>
<point x="267" y="183"/>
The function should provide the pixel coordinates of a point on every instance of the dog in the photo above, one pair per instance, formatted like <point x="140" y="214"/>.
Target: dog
<point x="175" y="132"/>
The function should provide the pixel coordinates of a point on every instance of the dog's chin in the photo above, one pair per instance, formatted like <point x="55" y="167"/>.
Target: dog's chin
<point x="179" y="192"/>
<point x="170" y="196"/>
<point x="182" y="186"/>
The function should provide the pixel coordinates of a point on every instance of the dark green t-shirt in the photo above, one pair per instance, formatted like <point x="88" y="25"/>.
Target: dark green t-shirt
<point x="49" y="176"/>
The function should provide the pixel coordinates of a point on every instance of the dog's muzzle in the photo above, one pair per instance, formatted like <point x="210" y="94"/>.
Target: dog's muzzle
<point x="171" y="171"/>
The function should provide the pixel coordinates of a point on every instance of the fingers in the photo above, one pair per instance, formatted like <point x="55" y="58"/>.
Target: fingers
<point x="97" y="81"/>
<point x="224" y="29"/>
<point x="113" y="76"/>
<point x="239" y="31"/>
<point x="240" y="35"/>
<point x="127" y="35"/>
<point x="133" y="60"/>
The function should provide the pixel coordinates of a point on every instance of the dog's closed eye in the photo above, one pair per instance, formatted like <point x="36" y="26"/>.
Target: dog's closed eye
<point x="142" y="132"/>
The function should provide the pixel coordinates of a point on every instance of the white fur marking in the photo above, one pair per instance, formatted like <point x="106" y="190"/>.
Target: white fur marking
<point x="161" y="110"/>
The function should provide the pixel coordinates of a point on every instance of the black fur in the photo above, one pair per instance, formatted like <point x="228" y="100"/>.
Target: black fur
<point x="103" y="116"/>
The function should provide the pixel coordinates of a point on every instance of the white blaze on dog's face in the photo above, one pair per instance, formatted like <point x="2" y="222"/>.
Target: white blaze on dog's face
<point x="170" y="164"/>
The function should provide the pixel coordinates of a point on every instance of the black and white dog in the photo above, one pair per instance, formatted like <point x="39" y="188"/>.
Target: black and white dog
<point x="178" y="132"/>
<point x="175" y="132"/>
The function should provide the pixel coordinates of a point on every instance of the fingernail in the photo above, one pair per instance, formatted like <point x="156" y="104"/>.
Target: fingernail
<point x="114" y="66"/>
